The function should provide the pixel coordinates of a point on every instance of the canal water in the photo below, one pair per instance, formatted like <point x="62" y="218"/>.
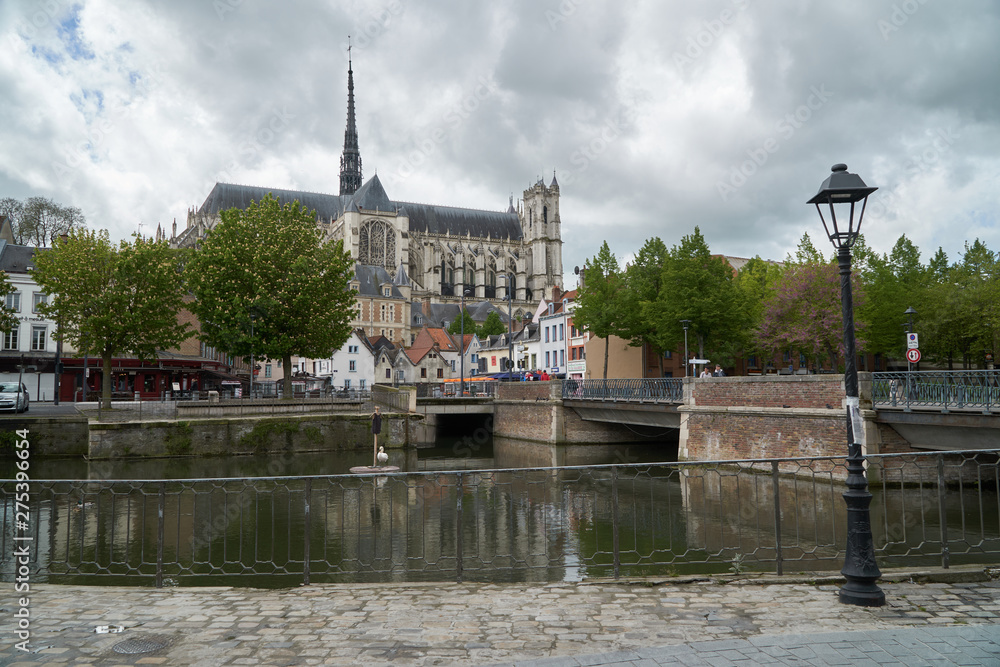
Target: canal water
<point x="471" y="507"/>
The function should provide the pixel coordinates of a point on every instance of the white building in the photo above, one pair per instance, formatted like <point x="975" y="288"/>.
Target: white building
<point x="31" y="340"/>
<point x="350" y="367"/>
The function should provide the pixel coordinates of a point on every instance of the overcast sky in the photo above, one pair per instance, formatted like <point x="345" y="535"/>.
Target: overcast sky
<point x="656" y="115"/>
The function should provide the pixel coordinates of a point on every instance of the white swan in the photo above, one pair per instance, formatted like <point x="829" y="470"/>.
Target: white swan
<point x="382" y="457"/>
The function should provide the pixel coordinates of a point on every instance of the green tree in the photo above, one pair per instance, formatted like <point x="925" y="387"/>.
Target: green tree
<point x="643" y="281"/>
<point x="754" y="283"/>
<point x="112" y="300"/>
<point x="13" y="210"/>
<point x="8" y="320"/>
<point x="598" y="299"/>
<point x="699" y="287"/>
<point x="456" y="327"/>
<point x="493" y="325"/>
<point x="268" y="266"/>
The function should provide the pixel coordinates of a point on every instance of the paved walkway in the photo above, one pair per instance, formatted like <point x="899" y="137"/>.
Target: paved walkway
<point x="640" y="624"/>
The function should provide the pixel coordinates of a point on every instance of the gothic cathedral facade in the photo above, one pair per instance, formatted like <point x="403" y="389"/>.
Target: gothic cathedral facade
<point x="410" y="255"/>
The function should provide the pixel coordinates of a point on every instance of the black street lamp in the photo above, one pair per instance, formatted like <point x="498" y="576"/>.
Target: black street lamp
<point x="461" y="345"/>
<point x="841" y="190"/>
<point x="685" y="324"/>
<point x="510" y="326"/>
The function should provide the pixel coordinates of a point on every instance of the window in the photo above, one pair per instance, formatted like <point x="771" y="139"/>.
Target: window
<point x="279" y="363"/>
<point x="347" y="383"/>
<point x="562" y="357"/>
<point x="10" y="339"/>
<point x="351" y="366"/>
<point x="388" y="374"/>
<point x="382" y="316"/>
<point x="786" y="356"/>
<point x="377" y="244"/>
<point x="387" y="291"/>
<point x="802" y="359"/>
<point x="37" y="299"/>
<point x="352" y="349"/>
<point x="668" y="354"/>
<point x="452" y="365"/>
<point x="561" y="332"/>
<point x="267" y="370"/>
<point x="362" y="384"/>
<point x="14" y="302"/>
<point x="546" y="334"/>
<point x="38" y="338"/>
<point x="440" y="373"/>
<point x="423" y="372"/>
<point x="392" y="312"/>
<point x="546" y="359"/>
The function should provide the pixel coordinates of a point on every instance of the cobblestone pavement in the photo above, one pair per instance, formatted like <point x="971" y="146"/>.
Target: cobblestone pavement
<point x="609" y="623"/>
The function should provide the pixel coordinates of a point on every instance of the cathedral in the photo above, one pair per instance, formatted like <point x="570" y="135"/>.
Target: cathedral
<point x="411" y="256"/>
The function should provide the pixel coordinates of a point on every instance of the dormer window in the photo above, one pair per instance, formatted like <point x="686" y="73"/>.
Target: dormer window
<point x="386" y="291"/>
<point x="552" y="308"/>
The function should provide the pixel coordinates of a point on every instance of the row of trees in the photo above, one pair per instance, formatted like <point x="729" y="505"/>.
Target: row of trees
<point x="263" y="282"/>
<point x="766" y="308"/>
<point x="39" y="221"/>
<point x="492" y="326"/>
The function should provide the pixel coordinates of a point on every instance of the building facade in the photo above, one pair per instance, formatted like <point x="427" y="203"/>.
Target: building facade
<point x="411" y="253"/>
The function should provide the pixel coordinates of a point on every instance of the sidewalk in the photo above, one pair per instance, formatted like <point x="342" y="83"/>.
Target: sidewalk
<point x="701" y="622"/>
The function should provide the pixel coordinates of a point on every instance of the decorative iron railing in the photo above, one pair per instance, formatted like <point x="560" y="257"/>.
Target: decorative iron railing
<point x="944" y="390"/>
<point x="537" y="524"/>
<point x="659" y="390"/>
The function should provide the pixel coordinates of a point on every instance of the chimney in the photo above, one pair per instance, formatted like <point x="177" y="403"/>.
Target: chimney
<point x="556" y="293"/>
<point x="425" y="306"/>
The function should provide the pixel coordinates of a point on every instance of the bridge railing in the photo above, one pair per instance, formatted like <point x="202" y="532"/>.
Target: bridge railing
<point x="657" y="390"/>
<point x="944" y="390"/>
<point x="511" y="524"/>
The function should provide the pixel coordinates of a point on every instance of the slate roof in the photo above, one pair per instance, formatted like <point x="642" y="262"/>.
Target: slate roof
<point x="426" y="218"/>
<point x="16" y="258"/>
<point x="370" y="278"/>
<point x="225" y="196"/>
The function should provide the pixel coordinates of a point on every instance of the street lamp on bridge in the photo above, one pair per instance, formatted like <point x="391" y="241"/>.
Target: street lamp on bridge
<point x="841" y="191"/>
<point x="685" y="324"/>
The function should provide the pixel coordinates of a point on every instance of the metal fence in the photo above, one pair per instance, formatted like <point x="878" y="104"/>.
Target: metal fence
<point x="659" y="390"/>
<point x="539" y="524"/>
<point x="943" y="390"/>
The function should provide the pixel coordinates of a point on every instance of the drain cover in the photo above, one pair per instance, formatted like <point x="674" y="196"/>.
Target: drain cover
<point x="133" y="646"/>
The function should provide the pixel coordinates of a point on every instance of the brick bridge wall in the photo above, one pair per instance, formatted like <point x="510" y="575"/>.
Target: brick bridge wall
<point x="766" y="417"/>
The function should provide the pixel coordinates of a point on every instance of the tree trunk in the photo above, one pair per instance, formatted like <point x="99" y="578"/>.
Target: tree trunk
<point x="607" y="346"/>
<point x="106" y="379"/>
<point x="286" y="387"/>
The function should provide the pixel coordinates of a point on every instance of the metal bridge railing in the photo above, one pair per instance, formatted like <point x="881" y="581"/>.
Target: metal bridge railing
<point x="539" y="524"/>
<point x="660" y="390"/>
<point x="944" y="390"/>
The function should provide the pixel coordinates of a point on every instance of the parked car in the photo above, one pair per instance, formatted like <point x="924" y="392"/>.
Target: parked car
<point x="11" y="398"/>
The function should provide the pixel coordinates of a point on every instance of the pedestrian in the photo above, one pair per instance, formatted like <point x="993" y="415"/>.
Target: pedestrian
<point x="719" y="373"/>
<point x="705" y="373"/>
<point x="545" y="376"/>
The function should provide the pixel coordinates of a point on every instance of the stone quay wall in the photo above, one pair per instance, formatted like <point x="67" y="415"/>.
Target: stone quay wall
<point x="246" y="435"/>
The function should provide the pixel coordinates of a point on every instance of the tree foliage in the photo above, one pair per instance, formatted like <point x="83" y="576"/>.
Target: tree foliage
<point x="112" y="300"/>
<point x="8" y="319"/>
<point x="493" y="326"/>
<point x="39" y="221"/>
<point x="598" y="307"/>
<point x="462" y="323"/>
<point x="642" y="284"/>
<point x="698" y="287"/>
<point x="266" y="283"/>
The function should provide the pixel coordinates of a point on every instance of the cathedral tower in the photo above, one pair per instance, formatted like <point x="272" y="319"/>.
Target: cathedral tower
<point x="350" y="161"/>
<point x="541" y="229"/>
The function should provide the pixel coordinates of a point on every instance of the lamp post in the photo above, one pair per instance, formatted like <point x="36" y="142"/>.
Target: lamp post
<point x="685" y="324"/>
<point x="510" y="326"/>
<point x="841" y="191"/>
<point x="909" y="329"/>
<point x="461" y="345"/>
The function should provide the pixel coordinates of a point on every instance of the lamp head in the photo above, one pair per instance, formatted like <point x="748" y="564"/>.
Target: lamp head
<point x="841" y="191"/>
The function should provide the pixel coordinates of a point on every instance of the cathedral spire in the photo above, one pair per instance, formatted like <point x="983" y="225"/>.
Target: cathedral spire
<point x="350" y="161"/>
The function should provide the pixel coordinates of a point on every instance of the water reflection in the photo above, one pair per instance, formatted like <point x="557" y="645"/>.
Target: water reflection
<point x="454" y="516"/>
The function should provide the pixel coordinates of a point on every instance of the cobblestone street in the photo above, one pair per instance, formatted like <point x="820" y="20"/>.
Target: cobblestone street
<point x="473" y="624"/>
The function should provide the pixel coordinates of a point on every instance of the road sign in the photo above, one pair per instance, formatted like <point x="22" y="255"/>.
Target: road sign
<point x="911" y="341"/>
<point x="699" y="361"/>
<point x="913" y="355"/>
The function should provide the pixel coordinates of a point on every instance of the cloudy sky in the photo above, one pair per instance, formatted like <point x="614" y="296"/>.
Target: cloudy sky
<point x="656" y="115"/>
